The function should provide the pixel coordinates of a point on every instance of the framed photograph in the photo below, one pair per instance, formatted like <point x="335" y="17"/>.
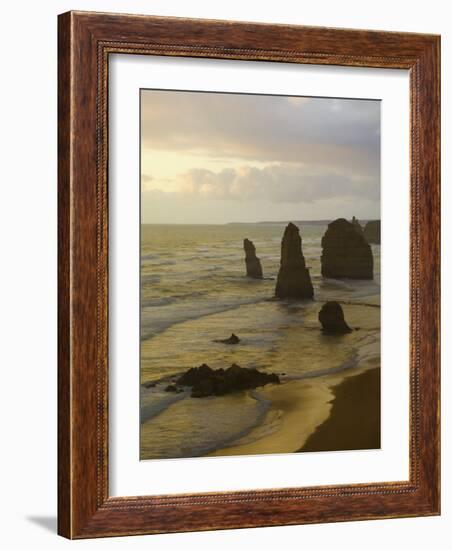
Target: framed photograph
<point x="248" y="275"/>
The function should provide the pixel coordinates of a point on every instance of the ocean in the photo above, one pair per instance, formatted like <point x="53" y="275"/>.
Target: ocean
<point x="193" y="291"/>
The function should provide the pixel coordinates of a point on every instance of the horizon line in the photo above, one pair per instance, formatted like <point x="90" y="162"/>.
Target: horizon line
<point x="257" y="222"/>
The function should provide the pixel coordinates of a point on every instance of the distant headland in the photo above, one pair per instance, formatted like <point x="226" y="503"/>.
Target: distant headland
<point x="296" y="222"/>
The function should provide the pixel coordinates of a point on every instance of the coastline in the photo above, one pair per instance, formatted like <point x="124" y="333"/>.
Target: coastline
<point x="354" y="420"/>
<point x="194" y="293"/>
<point x="298" y="407"/>
<point x="333" y="413"/>
<point x="336" y="412"/>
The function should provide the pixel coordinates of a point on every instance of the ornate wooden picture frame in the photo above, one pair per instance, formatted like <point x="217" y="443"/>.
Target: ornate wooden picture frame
<point x="86" y="41"/>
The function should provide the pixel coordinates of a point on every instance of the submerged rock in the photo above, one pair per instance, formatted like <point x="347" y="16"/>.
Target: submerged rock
<point x="345" y="252"/>
<point x="294" y="280"/>
<point x="232" y="340"/>
<point x="205" y="381"/>
<point x="332" y="319"/>
<point x="372" y="232"/>
<point x="253" y="264"/>
<point x="171" y="388"/>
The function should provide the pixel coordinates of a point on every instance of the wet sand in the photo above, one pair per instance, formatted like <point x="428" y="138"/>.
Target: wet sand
<point x="354" y="421"/>
<point x="298" y="408"/>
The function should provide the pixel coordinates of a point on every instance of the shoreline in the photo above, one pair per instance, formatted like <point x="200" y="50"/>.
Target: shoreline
<point x="194" y="292"/>
<point x="354" y="420"/>
<point x="332" y="413"/>
<point x="283" y="431"/>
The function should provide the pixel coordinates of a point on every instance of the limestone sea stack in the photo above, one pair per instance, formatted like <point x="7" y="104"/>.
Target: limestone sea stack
<point x="253" y="264"/>
<point x="345" y="252"/>
<point x="332" y="319"/>
<point x="372" y="232"/>
<point x="294" y="280"/>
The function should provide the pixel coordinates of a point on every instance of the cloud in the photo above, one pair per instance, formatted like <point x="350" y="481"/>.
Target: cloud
<point x="225" y="157"/>
<point x="297" y="100"/>
<point x="289" y="183"/>
<point x="146" y="182"/>
<point x="341" y="132"/>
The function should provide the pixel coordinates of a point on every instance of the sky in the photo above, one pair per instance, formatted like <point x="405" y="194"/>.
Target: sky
<point x="219" y="158"/>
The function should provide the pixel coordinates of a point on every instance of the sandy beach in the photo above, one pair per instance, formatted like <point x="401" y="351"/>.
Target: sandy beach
<point x="297" y="408"/>
<point x="333" y="413"/>
<point x="354" y="421"/>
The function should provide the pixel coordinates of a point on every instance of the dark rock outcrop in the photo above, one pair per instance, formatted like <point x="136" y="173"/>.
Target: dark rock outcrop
<point x="372" y="232"/>
<point x="294" y="280"/>
<point x="331" y="317"/>
<point x="253" y="264"/>
<point x="205" y="381"/>
<point x="232" y="340"/>
<point x="171" y="388"/>
<point x="345" y="252"/>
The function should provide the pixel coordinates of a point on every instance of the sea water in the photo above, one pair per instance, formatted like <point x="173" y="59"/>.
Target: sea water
<point x="194" y="290"/>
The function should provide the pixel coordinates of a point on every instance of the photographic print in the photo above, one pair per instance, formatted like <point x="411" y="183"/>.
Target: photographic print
<point x="260" y="274"/>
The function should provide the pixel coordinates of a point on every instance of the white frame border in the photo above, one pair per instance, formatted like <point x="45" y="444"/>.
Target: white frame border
<point x="130" y="476"/>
